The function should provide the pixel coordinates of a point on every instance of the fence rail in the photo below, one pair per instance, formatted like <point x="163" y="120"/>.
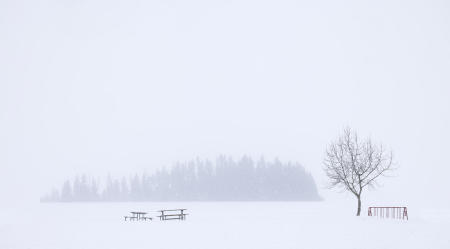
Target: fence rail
<point x="389" y="212"/>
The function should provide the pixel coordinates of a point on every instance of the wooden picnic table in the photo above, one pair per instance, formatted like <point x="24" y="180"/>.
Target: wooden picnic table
<point x="138" y="216"/>
<point x="170" y="215"/>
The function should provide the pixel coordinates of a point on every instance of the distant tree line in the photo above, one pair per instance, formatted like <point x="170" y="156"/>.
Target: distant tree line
<point x="199" y="180"/>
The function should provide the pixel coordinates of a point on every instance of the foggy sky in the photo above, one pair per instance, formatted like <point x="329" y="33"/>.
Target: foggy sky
<point x="120" y="87"/>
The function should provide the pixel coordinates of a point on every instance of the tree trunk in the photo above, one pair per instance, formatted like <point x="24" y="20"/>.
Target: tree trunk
<point x="359" y="206"/>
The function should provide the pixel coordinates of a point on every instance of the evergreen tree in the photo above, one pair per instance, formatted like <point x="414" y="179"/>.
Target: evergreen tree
<point x="197" y="180"/>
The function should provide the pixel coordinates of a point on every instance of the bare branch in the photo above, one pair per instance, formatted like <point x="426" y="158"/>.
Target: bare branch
<point x="352" y="164"/>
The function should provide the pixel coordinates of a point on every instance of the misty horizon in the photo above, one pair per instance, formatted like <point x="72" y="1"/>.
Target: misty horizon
<point x="108" y="86"/>
<point x="99" y="100"/>
<point x="223" y="179"/>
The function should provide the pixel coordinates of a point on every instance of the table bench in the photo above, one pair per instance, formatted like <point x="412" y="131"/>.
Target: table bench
<point x="172" y="214"/>
<point x="137" y="216"/>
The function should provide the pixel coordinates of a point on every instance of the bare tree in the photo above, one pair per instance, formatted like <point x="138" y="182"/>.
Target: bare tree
<point x="353" y="165"/>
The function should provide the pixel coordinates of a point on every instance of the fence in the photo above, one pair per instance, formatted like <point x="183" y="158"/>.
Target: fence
<point x="389" y="212"/>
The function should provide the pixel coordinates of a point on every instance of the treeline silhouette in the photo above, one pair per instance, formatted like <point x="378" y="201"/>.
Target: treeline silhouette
<point x="199" y="180"/>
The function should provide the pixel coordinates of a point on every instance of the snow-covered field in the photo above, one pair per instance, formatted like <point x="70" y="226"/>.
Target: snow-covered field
<point x="230" y="225"/>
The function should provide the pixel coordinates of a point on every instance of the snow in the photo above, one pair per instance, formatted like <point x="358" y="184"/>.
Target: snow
<point x="218" y="225"/>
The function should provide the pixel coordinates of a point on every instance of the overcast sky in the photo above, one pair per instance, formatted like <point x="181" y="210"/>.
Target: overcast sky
<point x="129" y="86"/>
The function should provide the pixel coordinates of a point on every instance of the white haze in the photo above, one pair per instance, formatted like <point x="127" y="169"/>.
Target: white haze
<point x="120" y="87"/>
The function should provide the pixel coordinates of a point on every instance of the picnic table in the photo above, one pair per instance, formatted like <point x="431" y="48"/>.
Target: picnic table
<point x="172" y="214"/>
<point x="138" y="216"/>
